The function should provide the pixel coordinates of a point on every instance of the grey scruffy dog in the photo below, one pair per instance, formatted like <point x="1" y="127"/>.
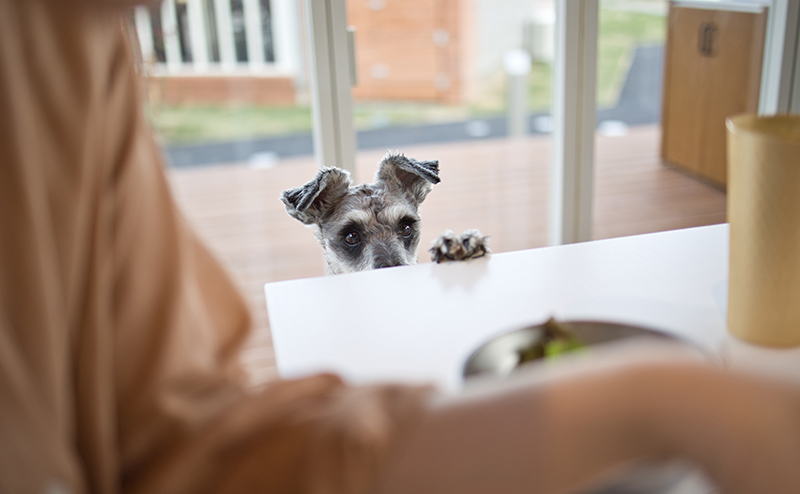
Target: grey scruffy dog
<point x="376" y="225"/>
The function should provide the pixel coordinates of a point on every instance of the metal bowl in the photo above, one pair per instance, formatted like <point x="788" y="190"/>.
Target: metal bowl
<point x="505" y="353"/>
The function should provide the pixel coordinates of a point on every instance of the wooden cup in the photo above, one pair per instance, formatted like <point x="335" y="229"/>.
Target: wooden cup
<point x="764" y="214"/>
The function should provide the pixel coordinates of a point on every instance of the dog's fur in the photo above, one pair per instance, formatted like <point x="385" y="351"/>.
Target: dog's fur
<point x="375" y="225"/>
<point x="469" y="245"/>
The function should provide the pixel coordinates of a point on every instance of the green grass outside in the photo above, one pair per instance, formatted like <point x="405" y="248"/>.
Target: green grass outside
<point x="215" y="123"/>
<point x="620" y="33"/>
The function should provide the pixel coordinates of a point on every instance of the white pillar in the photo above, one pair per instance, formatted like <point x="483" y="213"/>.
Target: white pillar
<point x="286" y="36"/>
<point x="144" y="31"/>
<point x="254" y="34"/>
<point x="518" y="65"/>
<point x="227" y="50"/>
<point x="169" y="26"/>
<point x="197" y="34"/>
<point x="574" y="114"/>
<point x="331" y="99"/>
<point x="779" y="84"/>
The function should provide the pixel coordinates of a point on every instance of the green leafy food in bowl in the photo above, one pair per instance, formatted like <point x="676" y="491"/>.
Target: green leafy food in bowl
<point x="555" y="348"/>
<point x="557" y="340"/>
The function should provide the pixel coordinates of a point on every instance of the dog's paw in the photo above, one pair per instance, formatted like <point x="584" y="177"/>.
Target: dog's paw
<point x="469" y="245"/>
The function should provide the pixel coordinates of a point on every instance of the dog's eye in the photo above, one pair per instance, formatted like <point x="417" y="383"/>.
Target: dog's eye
<point x="406" y="231"/>
<point x="352" y="239"/>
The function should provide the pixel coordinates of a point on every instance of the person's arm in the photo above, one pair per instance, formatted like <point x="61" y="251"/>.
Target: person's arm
<point x="744" y="430"/>
<point x="557" y="435"/>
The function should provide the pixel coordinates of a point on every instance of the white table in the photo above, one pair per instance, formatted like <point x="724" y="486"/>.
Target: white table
<point x="420" y="323"/>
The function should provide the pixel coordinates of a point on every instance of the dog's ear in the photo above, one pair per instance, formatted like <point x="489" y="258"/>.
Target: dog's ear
<point x="313" y="200"/>
<point x="415" y="178"/>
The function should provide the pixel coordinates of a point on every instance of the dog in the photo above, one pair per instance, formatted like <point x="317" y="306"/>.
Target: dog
<point x="376" y="225"/>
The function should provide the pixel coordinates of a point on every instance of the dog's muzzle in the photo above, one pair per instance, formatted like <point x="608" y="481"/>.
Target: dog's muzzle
<point x="385" y="258"/>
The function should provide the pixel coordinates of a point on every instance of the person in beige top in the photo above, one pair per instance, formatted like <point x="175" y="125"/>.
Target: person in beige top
<point x="119" y="337"/>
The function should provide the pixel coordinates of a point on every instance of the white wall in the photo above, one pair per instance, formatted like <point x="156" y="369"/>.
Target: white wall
<point x="499" y="25"/>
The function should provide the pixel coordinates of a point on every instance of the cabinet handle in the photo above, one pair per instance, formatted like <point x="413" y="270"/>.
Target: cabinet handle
<point x="705" y="39"/>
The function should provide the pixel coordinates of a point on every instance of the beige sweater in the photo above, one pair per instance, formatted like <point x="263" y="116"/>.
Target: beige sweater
<point x="119" y="332"/>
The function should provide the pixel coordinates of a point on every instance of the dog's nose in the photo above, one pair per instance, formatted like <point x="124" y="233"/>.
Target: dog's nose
<point x="387" y="263"/>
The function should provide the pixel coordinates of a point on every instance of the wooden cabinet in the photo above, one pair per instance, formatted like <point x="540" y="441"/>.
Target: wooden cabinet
<point x="712" y="71"/>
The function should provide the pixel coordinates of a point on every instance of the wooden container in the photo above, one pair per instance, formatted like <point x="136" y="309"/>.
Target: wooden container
<point x="764" y="213"/>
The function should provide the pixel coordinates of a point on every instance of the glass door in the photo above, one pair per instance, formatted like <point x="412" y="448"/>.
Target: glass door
<point x="467" y="84"/>
<point x="226" y="90"/>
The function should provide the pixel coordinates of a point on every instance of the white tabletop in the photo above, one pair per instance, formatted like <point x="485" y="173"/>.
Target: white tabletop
<point x="419" y="323"/>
